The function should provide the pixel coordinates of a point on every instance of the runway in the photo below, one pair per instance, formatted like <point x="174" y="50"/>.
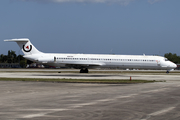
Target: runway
<point x="64" y="101"/>
<point x="74" y="74"/>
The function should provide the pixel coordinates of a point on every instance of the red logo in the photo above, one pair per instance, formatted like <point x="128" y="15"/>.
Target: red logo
<point x="27" y="49"/>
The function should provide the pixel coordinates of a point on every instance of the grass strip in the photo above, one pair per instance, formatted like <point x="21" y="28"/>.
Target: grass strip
<point x="99" y="81"/>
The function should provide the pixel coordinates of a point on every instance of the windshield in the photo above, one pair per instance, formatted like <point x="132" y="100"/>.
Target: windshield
<point x="166" y="59"/>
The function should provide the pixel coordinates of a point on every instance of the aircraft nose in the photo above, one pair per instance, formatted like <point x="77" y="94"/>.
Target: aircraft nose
<point x="171" y="65"/>
<point x="175" y="66"/>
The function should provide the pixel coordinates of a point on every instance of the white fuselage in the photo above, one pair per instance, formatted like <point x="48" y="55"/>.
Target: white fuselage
<point x="85" y="61"/>
<point x="103" y="61"/>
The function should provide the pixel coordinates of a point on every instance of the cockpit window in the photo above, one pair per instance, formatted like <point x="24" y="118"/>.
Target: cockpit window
<point x="166" y="59"/>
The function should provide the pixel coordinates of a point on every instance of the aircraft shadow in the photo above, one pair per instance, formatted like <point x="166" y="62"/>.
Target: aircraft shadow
<point x="82" y="75"/>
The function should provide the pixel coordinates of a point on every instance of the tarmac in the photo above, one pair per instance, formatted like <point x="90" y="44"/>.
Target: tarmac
<point x="79" y="101"/>
<point x="74" y="74"/>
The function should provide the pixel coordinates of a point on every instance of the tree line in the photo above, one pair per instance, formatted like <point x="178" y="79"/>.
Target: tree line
<point x="11" y="57"/>
<point x="173" y="57"/>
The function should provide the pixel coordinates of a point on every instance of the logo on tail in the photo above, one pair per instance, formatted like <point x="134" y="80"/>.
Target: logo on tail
<point x="27" y="48"/>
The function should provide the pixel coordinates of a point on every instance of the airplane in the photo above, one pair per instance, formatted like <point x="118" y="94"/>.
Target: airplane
<point x="86" y="61"/>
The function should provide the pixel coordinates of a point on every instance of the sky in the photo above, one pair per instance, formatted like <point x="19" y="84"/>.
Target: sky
<point x="132" y="27"/>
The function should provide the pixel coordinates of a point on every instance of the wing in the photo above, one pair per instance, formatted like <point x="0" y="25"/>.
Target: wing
<point x="82" y="65"/>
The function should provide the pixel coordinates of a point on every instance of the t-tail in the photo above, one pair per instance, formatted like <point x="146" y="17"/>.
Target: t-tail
<point x="25" y="45"/>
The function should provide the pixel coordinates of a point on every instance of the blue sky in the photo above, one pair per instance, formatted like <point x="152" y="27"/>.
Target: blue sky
<point x="92" y="26"/>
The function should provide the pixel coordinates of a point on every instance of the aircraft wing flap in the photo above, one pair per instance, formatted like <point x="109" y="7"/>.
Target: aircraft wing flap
<point x="79" y="65"/>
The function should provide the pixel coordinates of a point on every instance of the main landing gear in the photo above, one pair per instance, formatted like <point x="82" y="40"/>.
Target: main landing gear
<point x="167" y="71"/>
<point x="84" y="70"/>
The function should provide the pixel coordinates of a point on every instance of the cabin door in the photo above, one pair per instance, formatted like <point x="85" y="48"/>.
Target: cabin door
<point x="54" y="59"/>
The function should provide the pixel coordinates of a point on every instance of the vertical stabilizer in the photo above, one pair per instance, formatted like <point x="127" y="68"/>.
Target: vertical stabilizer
<point x="26" y="46"/>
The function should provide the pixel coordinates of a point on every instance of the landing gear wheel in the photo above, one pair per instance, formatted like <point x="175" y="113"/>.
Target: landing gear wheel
<point x="84" y="70"/>
<point x="81" y="71"/>
<point x="167" y="71"/>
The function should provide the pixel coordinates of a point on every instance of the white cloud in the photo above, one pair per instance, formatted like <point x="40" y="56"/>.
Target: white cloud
<point x="122" y="2"/>
<point x="94" y="1"/>
<point x="154" y="1"/>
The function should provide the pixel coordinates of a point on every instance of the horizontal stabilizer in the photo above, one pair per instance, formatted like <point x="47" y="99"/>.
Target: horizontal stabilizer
<point x="17" y="40"/>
